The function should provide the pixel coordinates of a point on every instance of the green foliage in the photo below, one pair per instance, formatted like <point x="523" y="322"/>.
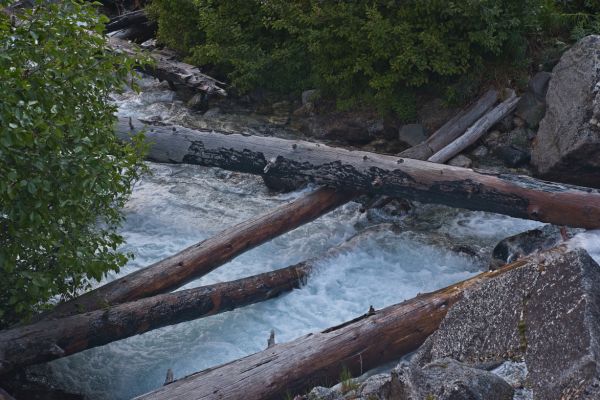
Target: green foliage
<point x="64" y="174"/>
<point x="579" y="17"/>
<point x="364" y="52"/>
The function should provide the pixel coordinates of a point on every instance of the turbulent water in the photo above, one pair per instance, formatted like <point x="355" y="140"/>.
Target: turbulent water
<point x="178" y="205"/>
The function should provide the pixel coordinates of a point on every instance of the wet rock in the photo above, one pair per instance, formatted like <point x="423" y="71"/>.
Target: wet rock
<point x="349" y="128"/>
<point x="567" y="147"/>
<point x="198" y="102"/>
<point x="448" y="379"/>
<point x="538" y="85"/>
<point x="545" y="313"/>
<point x="310" y="96"/>
<point x="412" y="134"/>
<point x="480" y="151"/>
<point x="212" y="112"/>
<point x="522" y="244"/>
<point x="323" y="393"/>
<point x="513" y="156"/>
<point x="435" y="113"/>
<point x="461" y="161"/>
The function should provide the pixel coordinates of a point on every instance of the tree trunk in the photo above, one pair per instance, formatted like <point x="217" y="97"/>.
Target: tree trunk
<point x="515" y="195"/>
<point x="476" y="131"/>
<point x="452" y="129"/>
<point x="359" y="345"/>
<point x="50" y="339"/>
<point x="201" y="258"/>
<point x="167" y="68"/>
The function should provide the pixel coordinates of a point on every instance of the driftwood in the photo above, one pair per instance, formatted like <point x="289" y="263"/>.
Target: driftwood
<point x="55" y="338"/>
<point x="514" y="195"/>
<point x="477" y="130"/>
<point x="201" y="258"/>
<point x="50" y="339"/>
<point x="167" y="68"/>
<point x="359" y="345"/>
<point x="452" y="129"/>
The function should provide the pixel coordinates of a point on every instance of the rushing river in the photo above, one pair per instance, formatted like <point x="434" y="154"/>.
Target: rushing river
<point x="178" y="205"/>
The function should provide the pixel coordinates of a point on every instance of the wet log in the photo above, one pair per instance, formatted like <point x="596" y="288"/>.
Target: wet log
<point x="133" y="25"/>
<point x="515" y="195"/>
<point x="452" y="129"/>
<point x="167" y="68"/>
<point x="477" y="130"/>
<point x="55" y="338"/>
<point x="201" y="258"/>
<point x="50" y="339"/>
<point x="316" y="359"/>
<point x="126" y="20"/>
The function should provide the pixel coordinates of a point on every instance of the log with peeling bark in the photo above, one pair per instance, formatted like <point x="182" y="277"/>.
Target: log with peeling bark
<point x="167" y="68"/>
<point x="452" y="129"/>
<point x="477" y="130"/>
<point x="359" y="345"/>
<point x="55" y="338"/>
<point x="201" y="258"/>
<point x="515" y="195"/>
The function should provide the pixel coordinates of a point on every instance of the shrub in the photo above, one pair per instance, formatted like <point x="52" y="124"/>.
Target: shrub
<point x="364" y="52"/>
<point x="64" y="174"/>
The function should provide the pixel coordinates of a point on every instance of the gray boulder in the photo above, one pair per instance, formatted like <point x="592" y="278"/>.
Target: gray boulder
<point x="447" y="379"/>
<point x="567" y="147"/>
<point x="545" y="313"/>
<point x="412" y="134"/>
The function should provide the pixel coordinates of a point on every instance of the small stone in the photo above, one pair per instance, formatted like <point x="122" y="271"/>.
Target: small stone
<point x="480" y="151"/>
<point x="461" y="161"/>
<point x="518" y="122"/>
<point x="512" y="155"/>
<point x="412" y="134"/>
<point x="323" y="393"/>
<point x="310" y="96"/>
<point x="212" y="112"/>
<point x="594" y="121"/>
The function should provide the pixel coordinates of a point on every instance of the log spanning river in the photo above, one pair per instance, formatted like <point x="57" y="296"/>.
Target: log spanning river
<point x="178" y="205"/>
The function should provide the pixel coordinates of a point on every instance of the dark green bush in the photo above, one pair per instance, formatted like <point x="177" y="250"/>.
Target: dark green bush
<point x="64" y="175"/>
<point x="362" y="52"/>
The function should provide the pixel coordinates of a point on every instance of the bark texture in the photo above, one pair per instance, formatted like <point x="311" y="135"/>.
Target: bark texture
<point x="201" y="258"/>
<point x="167" y="68"/>
<point x="360" y="344"/>
<point x="514" y="195"/>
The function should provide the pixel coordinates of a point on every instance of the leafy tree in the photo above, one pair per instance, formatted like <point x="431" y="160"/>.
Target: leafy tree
<point x="64" y="175"/>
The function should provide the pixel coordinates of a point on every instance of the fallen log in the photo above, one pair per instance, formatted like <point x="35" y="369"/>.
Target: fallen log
<point x="201" y="258"/>
<point x="50" y="339"/>
<point x="358" y="345"/>
<point x="452" y="129"/>
<point x="515" y="195"/>
<point x="133" y="25"/>
<point x="167" y="68"/>
<point x="477" y="130"/>
<point x="126" y="20"/>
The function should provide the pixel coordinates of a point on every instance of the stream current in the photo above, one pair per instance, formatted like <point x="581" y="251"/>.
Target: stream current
<point x="178" y="205"/>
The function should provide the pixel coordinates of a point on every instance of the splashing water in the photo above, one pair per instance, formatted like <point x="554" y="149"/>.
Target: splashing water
<point x="179" y="205"/>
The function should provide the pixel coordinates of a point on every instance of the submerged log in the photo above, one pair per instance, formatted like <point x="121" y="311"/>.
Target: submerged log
<point x="201" y="258"/>
<point x="359" y="345"/>
<point x="167" y="68"/>
<point x="452" y="129"/>
<point x="515" y="195"/>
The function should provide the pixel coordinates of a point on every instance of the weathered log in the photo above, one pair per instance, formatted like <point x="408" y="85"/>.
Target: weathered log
<point x="452" y="129"/>
<point x="477" y="130"/>
<point x="359" y="345"/>
<point x="50" y="339"/>
<point x="55" y="338"/>
<point x="167" y="68"/>
<point x="201" y="258"/>
<point x="515" y="195"/>
<point x="126" y="20"/>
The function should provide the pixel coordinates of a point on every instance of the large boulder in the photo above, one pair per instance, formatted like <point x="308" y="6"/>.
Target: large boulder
<point x="567" y="147"/>
<point x="545" y="313"/>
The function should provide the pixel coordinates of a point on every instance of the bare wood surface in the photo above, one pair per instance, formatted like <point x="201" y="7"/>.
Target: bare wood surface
<point x="359" y="345"/>
<point x="167" y="68"/>
<point x="452" y="129"/>
<point x="201" y="258"/>
<point x="55" y="338"/>
<point x="515" y="195"/>
<point x="477" y="130"/>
